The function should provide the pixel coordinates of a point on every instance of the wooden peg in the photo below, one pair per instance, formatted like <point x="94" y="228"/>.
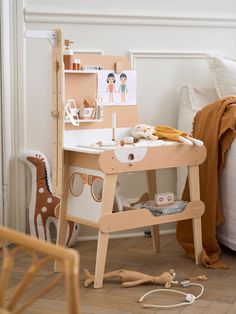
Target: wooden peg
<point x="54" y="113"/>
<point x="119" y="67"/>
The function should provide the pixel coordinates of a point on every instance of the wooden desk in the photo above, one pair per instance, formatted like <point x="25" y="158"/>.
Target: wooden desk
<point x="76" y="162"/>
<point x="107" y="165"/>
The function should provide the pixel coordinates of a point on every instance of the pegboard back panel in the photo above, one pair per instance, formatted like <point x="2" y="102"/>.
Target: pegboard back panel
<point x="82" y="85"/>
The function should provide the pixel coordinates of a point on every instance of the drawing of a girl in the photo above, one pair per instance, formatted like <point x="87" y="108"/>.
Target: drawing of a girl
<point x="111" y="86"/>
<point x="123" y="87"/>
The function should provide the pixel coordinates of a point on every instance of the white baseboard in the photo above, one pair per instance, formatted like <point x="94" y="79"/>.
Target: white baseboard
<point x="124" y="235"/>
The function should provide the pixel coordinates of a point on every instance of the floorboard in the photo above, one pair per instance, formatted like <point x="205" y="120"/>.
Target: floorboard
<point x="137" y="254"/>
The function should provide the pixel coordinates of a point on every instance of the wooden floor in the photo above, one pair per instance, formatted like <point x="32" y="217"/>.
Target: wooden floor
<point x="136" y="254"/>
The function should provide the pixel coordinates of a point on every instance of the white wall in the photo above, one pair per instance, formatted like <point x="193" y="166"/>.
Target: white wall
<point x="166" y="41"/>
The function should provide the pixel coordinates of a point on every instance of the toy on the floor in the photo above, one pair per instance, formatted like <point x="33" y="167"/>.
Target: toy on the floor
<point x="43" y="204"/>
<point x="134" y="278"/>
<point x="189" y="297"/>
<point x="163" y="132"/>
<point x="198" y="278"/>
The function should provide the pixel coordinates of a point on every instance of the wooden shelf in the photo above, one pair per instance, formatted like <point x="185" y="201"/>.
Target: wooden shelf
<point x="85" y="120"/>
<point x="81" y="71"/>
<point x="142" y="217"/>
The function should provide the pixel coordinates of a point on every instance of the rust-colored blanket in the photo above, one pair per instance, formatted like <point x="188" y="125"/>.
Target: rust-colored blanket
<point x="215" y="125"/>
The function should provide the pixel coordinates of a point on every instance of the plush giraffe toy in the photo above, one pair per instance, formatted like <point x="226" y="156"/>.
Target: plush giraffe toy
<point x="43" y="204"/>
<point x="134" y="278"/>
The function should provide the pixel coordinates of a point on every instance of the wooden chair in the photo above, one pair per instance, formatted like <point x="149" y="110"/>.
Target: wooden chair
<point x="40" y="252"/>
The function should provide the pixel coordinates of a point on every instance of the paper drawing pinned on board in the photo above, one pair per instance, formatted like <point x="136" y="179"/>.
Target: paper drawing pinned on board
<point x="117" y="89"/>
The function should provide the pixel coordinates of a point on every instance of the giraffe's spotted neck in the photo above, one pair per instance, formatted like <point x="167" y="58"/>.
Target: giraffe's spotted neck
<point x="41" y="170"/>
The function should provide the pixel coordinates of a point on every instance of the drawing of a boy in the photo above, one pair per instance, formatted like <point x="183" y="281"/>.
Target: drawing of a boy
<point x="123" y="87"/>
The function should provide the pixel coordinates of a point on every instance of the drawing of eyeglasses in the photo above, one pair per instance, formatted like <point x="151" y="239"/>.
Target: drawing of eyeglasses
<point x="78" y="181"/>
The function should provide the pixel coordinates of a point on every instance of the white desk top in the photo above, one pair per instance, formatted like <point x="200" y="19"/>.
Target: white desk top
<point x="96" y="149"/>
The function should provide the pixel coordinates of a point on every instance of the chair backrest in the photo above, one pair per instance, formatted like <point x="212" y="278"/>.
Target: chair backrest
<point x="40" y="252"/>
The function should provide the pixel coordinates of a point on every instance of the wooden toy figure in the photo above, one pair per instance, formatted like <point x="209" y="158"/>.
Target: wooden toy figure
<point x="111" y="86"/>
<point x="123" y="87"/>
<point x="134" y="278"/>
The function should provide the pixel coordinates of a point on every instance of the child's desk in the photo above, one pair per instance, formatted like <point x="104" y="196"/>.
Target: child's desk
<point x="107" y="164"/>
<point x="85" y="175"/>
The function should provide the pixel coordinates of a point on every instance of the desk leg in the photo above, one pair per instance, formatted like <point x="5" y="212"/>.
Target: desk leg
<point x="62" y="222"/>
<point x="194" y="190"/>
<point x="108" y="194"/>
<point x="152" y="189"/>
<point x="101" y="259"/>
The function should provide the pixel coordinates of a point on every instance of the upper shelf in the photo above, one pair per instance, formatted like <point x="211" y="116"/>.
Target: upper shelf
<point x="81" y="71"/>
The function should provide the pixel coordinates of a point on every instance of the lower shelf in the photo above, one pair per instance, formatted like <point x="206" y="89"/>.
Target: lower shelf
<point x="143" y="217"/>
<point x="175" y="208"/>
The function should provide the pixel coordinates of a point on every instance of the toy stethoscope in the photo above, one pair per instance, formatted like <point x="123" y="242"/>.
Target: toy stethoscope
<point x="189" y="298"/>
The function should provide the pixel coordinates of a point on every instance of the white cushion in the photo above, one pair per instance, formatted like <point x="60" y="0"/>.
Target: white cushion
<point x="192" y="99"/>
<point x="223" y="71"/>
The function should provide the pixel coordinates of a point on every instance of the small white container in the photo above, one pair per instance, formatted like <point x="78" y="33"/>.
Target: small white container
<point x="86" y="113"/>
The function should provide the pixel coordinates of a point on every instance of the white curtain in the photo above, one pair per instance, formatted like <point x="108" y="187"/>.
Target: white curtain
<point x="9" y="204"/>
<point x="12" y="205"/>
<point x="5" y="103"/>
<point x="1" y="142"/>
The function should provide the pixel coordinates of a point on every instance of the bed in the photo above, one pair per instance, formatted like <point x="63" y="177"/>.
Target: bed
<point x="193" y="99"/>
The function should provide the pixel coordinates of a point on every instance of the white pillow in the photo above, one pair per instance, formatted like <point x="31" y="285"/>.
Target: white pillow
<point x="192" y="99"/>
<point x="223" y="70"/>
